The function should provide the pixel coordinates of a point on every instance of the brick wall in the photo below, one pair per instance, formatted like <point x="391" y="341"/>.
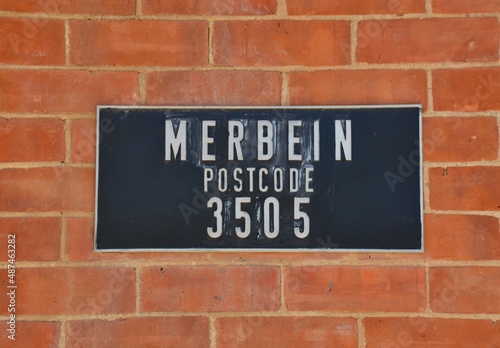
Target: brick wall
<point x="61" y="58"/>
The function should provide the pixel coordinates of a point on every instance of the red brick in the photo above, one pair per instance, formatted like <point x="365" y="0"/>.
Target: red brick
<point x="465" y="6"/>
<point x="37" y="239"/>
<point x="139" y="332"/>
<point x="32" y="140"/>
<point x="96" y="7"/>
<point x="465" y="188"/>
<point x="80" y="239"/>
<point x="35" y="333"/>
<point x="355" y="288"/>
<point x="213" y="88"/>
<point x="80" y="243"/>
<point x="209" y="7"/>
<point x="345" y="87"/>
<point x="281" y="42"/>
<point x="428" y="40"/>
<point x="83" y="140"/>
<point x="465" y="289"/>
<point x="213" y="289"/>
<point x="475" y="89"/>
<point x="430" y="332"/>
<point x="73" y="290"/>
<point x="462" y="237"/>
<point x="133" y="42"/>
<point x="80" y="247"/>
<point x="286" y="332"/>
<point x="32" y="41"/>
<point x="65" y="90"/>
<point x="47" y="189"/>
<point x="354" y="7"/>
<point x="460" y="139"/>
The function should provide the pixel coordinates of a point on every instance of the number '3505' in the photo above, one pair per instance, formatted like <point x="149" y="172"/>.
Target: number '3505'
<point x="270" y="217"/>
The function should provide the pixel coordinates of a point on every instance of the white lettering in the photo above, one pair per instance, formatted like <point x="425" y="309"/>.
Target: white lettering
<point x="343" y="139"/>
<point x="262" y="128"/>
<point x="234" y="142"/>
<point x="206" y="140"/>
<point x="208" y="175"/>
<point x="177" y="143"/>
<point x="293" y="140"/>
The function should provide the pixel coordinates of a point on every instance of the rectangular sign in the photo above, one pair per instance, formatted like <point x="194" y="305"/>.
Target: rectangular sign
<point x="311" y="178"/>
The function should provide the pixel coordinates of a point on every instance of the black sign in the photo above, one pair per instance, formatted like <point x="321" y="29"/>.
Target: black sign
<point x="259" y="178"/>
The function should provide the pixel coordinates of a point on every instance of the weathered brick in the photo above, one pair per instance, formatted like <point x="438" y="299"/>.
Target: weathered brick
<point x="281" y="42"/>
<point x="462" y="237"/>
<point x="209" y="7"/>
<point x="459" y="139"/>
<point x="80" y="239"/>
<point x="430" y="332"/>
<point x="35" y="333"/>
<point x="139" y="332"/>
<point x="354" y="7"/>
<point x="37" y="239"/>
<point x="132" y="42"/>
<point x="48" y="91"/>
<point x="355" y="288"/>
<point x="83" y="140"/>
<point x="80" y="247"/>
<point x="73" y="290"/>
<point x="213" y="88"/>
<point x="96" y="7"/>
<point x="32" y="140"/>
<point x="416" y="40"/>
<point x="358" y="87"/>
<point x="47" y="189"/>
<point x="465" y="188"/>
<point x="465" y="289"/>
<point x="80" y="244"/>
<point x="474" y="89"/>
<point x="238" y="288"/>
<point x="32" y="41"/>
<point x="286" y="332"/>
<point x="465" y="6"/>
